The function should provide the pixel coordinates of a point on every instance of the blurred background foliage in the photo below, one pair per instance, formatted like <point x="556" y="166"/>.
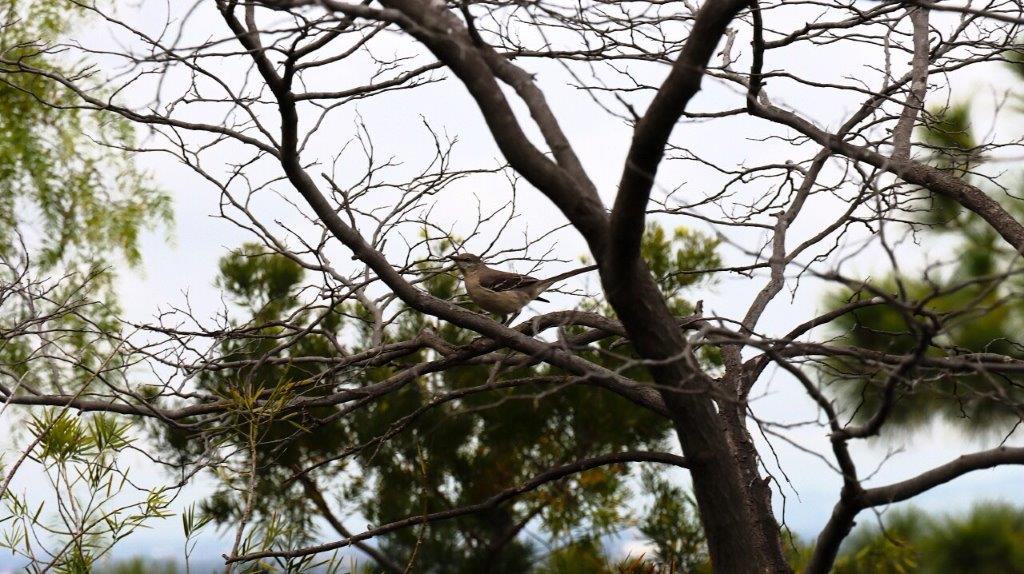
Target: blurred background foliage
<point x="73" y="204"/>
<point x="461" y="451"/>
<point x="971" y="284"/>
<point x="68" y="182"/>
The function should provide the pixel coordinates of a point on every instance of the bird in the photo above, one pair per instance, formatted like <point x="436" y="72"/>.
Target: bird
<point x="501" y="292"/>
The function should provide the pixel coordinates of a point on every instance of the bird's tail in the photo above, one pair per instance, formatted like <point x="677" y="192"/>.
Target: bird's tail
<point x="562" y="276"/>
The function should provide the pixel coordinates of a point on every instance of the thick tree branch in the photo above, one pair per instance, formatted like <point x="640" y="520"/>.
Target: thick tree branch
<point x="918" y="86"/>
<point x="476" y="66"/>
<point x="651" y="134"/>
<point x="842" y="520"/>
<point x="936" y="180"/>
<point x="904" y="490"/>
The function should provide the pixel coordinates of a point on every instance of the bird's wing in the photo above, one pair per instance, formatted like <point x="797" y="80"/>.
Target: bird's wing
<point x="504" y="281"/>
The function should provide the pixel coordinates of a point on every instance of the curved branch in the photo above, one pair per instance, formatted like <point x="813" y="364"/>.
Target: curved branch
<point x="538" y="481"/>
<point x="852" y="501"/>
<point x="940" y="475"/>
<point x="931" y="178"/>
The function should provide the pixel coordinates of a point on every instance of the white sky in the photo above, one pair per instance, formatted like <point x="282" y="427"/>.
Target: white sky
<point x="188" y="264"/>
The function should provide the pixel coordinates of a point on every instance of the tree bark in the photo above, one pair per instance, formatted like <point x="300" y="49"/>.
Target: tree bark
<point x="741" y="531"/>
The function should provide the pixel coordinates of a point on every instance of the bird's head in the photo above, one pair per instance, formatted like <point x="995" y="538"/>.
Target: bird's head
<point x="466" y="261"/>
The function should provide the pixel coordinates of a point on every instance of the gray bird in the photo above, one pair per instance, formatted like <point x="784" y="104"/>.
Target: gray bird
<point x="501" y="292"/>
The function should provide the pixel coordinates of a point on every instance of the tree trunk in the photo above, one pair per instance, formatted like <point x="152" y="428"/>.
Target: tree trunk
<point x="741" y="532"/>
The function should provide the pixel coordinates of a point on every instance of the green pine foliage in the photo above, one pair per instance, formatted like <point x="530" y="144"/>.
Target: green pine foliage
<point x="464" y="448"/>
